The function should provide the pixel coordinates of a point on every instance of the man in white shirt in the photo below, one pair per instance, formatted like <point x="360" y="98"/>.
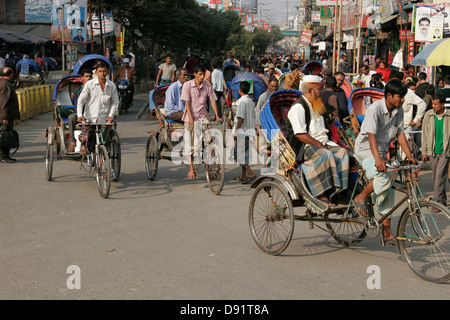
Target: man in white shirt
<point x="325" y="164"/>
<point x="217" y="82"/>
<point x="99" y="98"/>
<point x="244" y="132"/>
<point x="366" y="75"/>
<point x="413" y="111"/>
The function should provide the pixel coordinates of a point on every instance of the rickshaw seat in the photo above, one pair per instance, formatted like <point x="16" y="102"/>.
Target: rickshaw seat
<point x="65" y="111"/>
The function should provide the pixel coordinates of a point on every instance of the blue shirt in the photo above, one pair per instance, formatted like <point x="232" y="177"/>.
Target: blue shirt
<point x="173" y="101"/>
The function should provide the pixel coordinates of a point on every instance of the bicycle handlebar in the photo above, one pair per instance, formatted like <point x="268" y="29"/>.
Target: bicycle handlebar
<point x="395" y="165"/>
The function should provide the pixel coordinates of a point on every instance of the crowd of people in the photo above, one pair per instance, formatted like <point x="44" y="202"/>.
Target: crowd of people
<point x="409" y="105"/>
<point x="412" y="105"/>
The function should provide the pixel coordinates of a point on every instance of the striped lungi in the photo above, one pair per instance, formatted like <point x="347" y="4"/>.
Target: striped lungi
<point x="326" y="170"/>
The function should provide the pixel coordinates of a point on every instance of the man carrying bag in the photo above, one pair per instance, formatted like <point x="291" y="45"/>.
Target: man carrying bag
<point x="9" y="111"/>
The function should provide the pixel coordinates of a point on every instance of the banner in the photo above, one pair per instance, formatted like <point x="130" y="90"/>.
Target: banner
<point x="249" y="19"/>
<point x="429" y="23"/>
<point x="445" y="9"/>
<point x="107" y="24"/>
<point x="305" y="37"/>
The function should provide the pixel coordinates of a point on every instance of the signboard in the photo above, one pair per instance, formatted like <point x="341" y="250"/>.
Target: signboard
<point x="445" y="9"/>
<point x="315" y="16"/>
<point x="260" y="24"/>
<point x="348" y="18"/>
<point x="326" y="12"/>
<point x="429" y="23"/>
<point x="249" y="19"/>
<point x="306" y="36"/>
<point x="331" y="2"/>
<point x="38" y="11"/>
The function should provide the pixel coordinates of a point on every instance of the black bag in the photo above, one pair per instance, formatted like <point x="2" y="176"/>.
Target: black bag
<point x="9" y="139"/>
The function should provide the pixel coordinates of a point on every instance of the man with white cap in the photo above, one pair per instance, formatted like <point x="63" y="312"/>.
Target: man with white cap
<point x="324" y="163"/>
<point x="126" y="72"/>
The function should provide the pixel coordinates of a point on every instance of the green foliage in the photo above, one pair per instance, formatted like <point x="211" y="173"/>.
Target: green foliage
<point x="176" y="25"/>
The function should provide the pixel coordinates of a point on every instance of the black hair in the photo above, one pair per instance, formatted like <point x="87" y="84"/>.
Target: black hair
<point x="294" y="66"/>
<point x="101" y="65"/>
<point x="395" y="86"/>
<point x="82" y="72"/>
<point x="245" y="87"/>
<point x="396" y="75"/>
<point x="430" y="89"/>
<point x="424" y="19"/>
<point x="447" y="79"/>
<point x="422" y="75"/>
<point x="439" y="96"/>
<point x="199" y="67"/>
<point x="331" y="82"/>
<point x="339" y="73"/>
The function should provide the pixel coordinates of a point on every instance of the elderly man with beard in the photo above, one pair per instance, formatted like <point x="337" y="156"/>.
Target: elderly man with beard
<point x="324" y="163"/>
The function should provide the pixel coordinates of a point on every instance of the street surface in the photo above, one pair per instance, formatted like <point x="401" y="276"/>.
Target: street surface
<point x="168" y="239"/>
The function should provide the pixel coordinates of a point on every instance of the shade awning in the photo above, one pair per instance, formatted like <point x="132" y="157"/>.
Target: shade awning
<point x="28" y="34"/>
<point x="389" y="18"/>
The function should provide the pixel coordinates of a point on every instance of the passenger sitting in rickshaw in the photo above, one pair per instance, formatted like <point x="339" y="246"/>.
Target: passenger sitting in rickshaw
<point x="324" y="163"/>
<point x="86" y="75"/>
<point x="173" y="105"/>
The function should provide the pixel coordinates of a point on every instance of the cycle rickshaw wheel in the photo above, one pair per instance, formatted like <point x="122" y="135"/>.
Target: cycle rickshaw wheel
<point x="345" y="232"/>
<point x="103" y="172"/>
<point x="49" y="161"/>
<point x="423" y="238"/>
<point x="152" y="157"/>
<point x="115" y="155"/>
<point x="215" y="167"/>
<point x="271" y="218"/>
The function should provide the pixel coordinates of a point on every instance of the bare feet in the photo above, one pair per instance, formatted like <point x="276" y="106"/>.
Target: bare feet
<point x="191" y="175"/>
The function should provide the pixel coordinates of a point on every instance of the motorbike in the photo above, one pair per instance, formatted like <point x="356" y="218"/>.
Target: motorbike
<point x="124" y="91"/>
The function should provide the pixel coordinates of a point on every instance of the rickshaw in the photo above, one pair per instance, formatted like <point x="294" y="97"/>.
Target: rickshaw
<point x="167" y="141"/>
<point x="313" y="67"/>
<point x="423" y="230"/>
<point x="30" y="73"/>
<point x="231" y="71"/>
<point x="104" y="158"/>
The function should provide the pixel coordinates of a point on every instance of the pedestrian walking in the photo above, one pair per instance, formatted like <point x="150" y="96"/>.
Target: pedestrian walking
<point x="9" y="108"/>
<point x="435" y="145"/>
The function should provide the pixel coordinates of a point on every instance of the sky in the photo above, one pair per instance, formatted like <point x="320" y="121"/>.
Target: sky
<point x="276" y="10"/>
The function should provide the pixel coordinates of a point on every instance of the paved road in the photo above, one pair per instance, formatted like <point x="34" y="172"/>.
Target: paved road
<point x="168" y="239"/>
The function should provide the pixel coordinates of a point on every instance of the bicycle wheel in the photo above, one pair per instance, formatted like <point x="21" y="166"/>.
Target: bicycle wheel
<point x="423" y="238"/>
<point x="103" y="171"/>
<point x="214" y="167"/>
<point x="115" y="155"/>
<point x="49" y="161"/>
<point x="151" y="157"/>
<point x="345" y="231"/>
<point x="271" y="218"/>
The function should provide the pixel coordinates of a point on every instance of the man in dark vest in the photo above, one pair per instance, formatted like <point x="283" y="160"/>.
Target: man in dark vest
<point x="9" y="108"/>
<point x="325" y="164"/>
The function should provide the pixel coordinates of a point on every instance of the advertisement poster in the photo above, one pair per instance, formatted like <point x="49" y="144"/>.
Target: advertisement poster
<point x="249" y="19"/>
<point x="69" y="19"/>
<point x="429" y="23"/>
<point x="444" y="8"/>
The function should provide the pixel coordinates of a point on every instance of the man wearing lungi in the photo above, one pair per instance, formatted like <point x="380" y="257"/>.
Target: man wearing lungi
<point x="325" y="164"/>
<point x="382" y="123"/>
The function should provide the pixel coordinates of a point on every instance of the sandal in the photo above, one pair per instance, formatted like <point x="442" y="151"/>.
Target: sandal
<point x="239" y="179"/>
<point x="249" y="179"/>
<point x="390" y="242"/>
<point x="361" y="208"/>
